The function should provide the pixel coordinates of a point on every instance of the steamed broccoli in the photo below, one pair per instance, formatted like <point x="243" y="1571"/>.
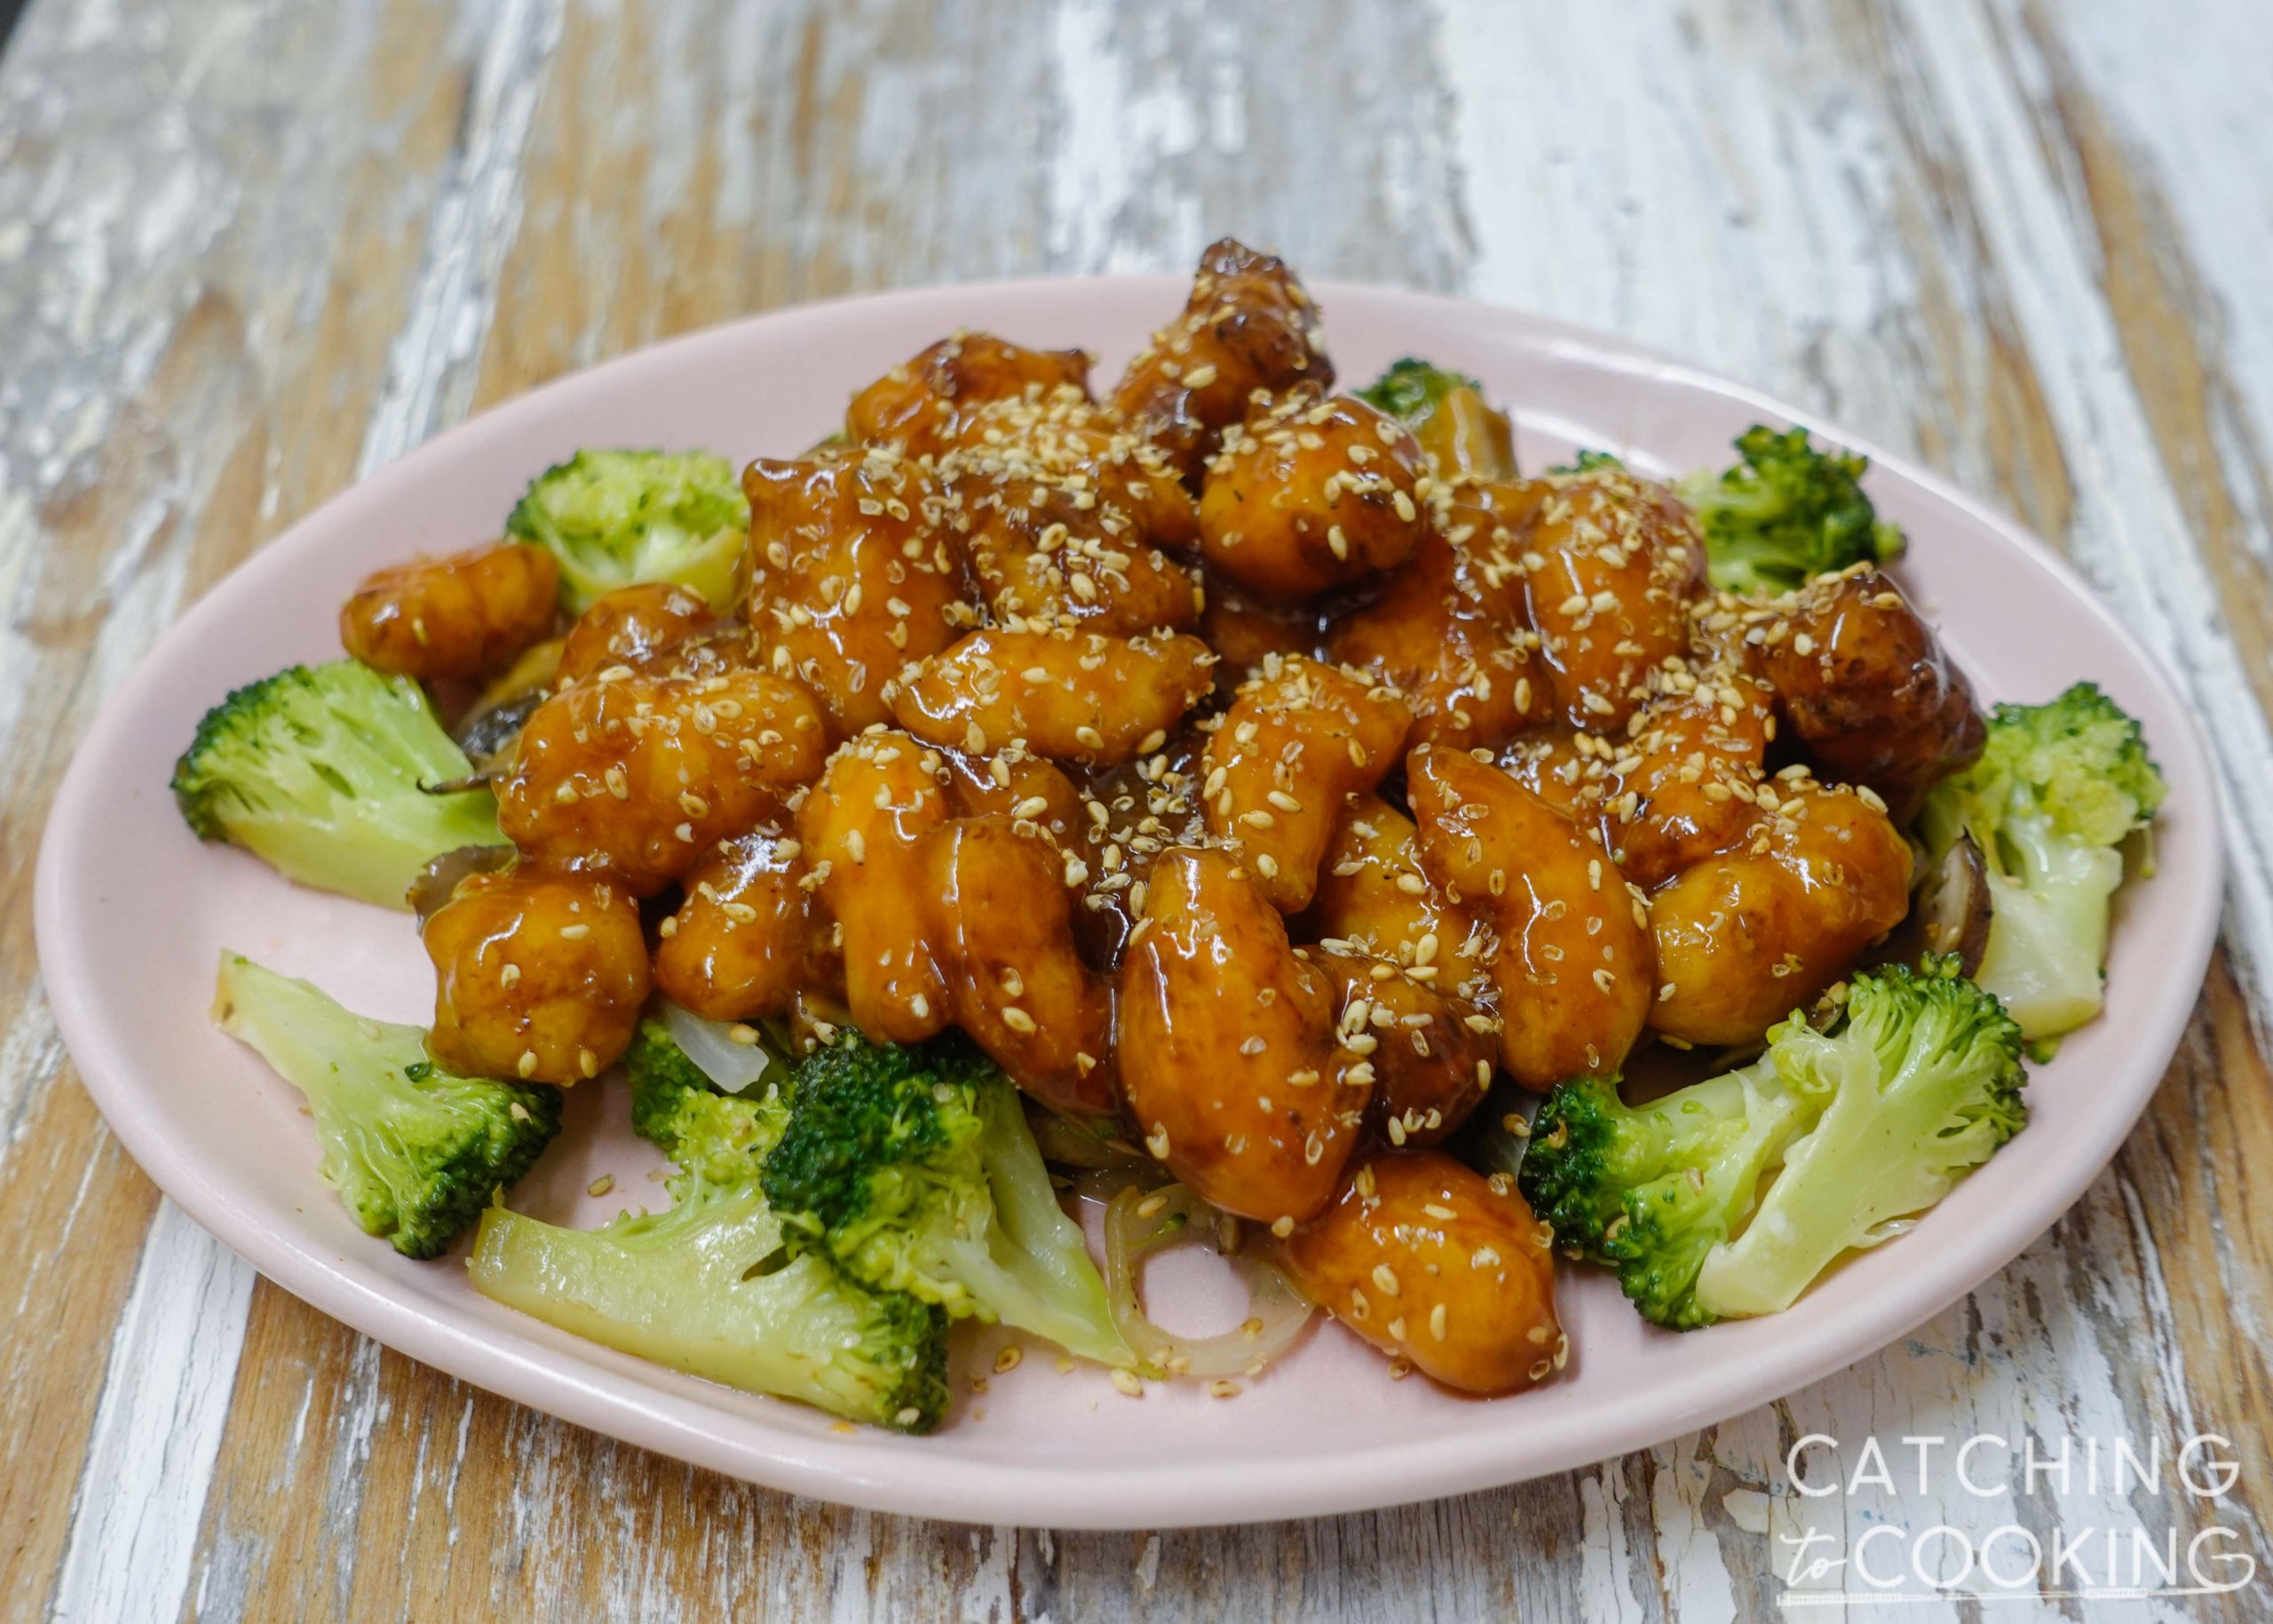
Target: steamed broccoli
<point x="1585" y="461"/>
<point x="1919" y="1085"/>
<point x="1785" y="513"/>
<point x="414" y="1151"/>
<point x="716" y="1136"/>
<point x="2054" y="796"/>
<point x="1649" y="1190"/>
<point x="318" y="771"/>
<point x="1449" y="416"/>
<point x="913" y="1167"/>
<point x="1854" y="1130"/>
<point x="616" y="518"/>
<point x="708" y="1288"/>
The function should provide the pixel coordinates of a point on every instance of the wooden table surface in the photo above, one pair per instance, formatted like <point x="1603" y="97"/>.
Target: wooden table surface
<point x="252" y="249"/>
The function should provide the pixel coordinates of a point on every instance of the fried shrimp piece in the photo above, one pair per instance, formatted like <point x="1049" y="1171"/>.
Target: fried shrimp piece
<point x="1682" y="783"/>
<point x="538" y="973"/>
<point x="1045" y="553"/>
<point x="1017" y="783"/>
<point x="1310" y="494"/>
<point x="1245" y="631"/>
<point x="926" y="404"/>
<point x="1372" y="897"/>
<point x="1248" y="325"/>
<point x="1299" y="739"/>
<point x="1568" y="770"/>
<point x="636" y="626"/>
<point x="862" y="828"/>
<point x="1228" y="1049"/>
<point x="1067" y="443"/>
<point x="1573" y="969"/>
<point x="1072" y="696"/>
<point x="1453" y="630"/>
<point x="851" y="576"/>
<point x="1746" y="938"/>
<point x="1436" y="1264"/>
<point x="465" y="615"/>
<point x="749" y="935"/>
<point x="1433" y="1052"/>
<point x="1866" y="688"/>
<point x="1613" y="562"/>
<point x="1001" y="919"/>
<point x="1134" y="813"/>
<point x="643" y="773"/>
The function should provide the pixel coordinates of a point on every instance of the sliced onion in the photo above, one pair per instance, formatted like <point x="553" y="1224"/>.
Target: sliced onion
<point x="1276" y="1312"/>
<point x="711" y="1045"/>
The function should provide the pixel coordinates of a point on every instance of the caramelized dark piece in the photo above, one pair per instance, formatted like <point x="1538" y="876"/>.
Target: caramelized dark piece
<point x="749" y="935"/>
<point x="1866" y="688"/>
<point x="853" y="576"/>
<point x="1432" y="1262"/>
<point x="538" y="974"/>
<point x="926" y="405"/>
<point x="1432" y="1053"/>
<point x="1683" y="786"/>
<point x="641" y="774"/>
<point x="1746" y="938"/>
<point x="1311" y="494"/>
<point x="1248" y="325"/>
<point x="465" y="615"/>
<point x="1226" y="1044"/>
<point x="1573" y="969"/>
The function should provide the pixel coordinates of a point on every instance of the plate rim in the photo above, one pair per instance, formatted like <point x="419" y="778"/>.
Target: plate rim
<point x="864" y="1470"/>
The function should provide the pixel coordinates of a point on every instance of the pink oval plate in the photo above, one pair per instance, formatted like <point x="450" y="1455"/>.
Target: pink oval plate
<point x="132" y="912"/>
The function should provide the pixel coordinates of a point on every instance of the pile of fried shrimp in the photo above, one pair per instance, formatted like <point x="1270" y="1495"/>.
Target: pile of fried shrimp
<point x="1255" y="780"/>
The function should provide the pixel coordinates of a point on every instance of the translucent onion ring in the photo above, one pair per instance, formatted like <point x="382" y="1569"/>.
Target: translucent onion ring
<point x="710" y="1045"/>
<point x="1276" y="1312"/>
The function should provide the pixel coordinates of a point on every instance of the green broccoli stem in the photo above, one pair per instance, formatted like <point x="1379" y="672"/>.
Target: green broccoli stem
<point x="415" y="1151"/>
<point x="708" y="1288"/>
<point x="2048" y="926"/>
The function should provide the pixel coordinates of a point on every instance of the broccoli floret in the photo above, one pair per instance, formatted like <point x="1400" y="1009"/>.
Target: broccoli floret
<point x="710" y="1134"/>
<point x="913" y="1167"/>
<point x="1785" y="513"/>
<point x="708" y="1287"/>
<point x="1449" y="416"/>
<point x="317" y="770"/>
<point x="616" y="518"/>
<point x="2050" y="802"/>
<point x="415" y="1151"/>
<point x="1588" y="462"/>
<point x="1920" y="1084"/>
<point x="1650" y="1190"/>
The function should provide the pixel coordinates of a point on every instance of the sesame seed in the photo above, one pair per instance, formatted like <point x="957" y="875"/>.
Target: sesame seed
<point x="527" y="1064"/>
<point x="1385" y="1278"/>
<point x="1129" y="1383"/>
<point x="1008" y="1359"/>
<point x="601" y="1185"/>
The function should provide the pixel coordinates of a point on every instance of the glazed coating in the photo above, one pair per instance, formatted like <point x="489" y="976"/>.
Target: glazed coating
<point x="1432" y="1053"/>
<point x="465" y="615"/>
<point x="1072" y="696"/>
<point x="1300" y="738"/>
<point x="1043" y="553"/>
<point x="1746" y="938"/>
<point x="1067" y="444"/>
<point x="1682" y="785"/>
<point x="1133" y="812"/>
<point x="851" y="576"/>
<point x="642" y="773"/>
<point x="1247" y="326"/>
<point x="1434" y="1263"/>
<point x="749" y="935"/>
<point x="861" y="827"/>
<point x="642" y="627"/>
<point x="1374" y="897"/>
<point x="1573" y="969"/>
<point x="1866" y="688"/>
<point x="539" y="974"/>
<point x="1018" y="784"/>
<point x="1611" y="564"/>
<point x="1452" y="629"/>
<point x="1310" y="494"/>
<point x="1001" y="924"/>
<point x="1228" y="1046"/>
<point x="926" y="404"/>
<point x="1245" y="631"/>
<point x="1568" y="770"/>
